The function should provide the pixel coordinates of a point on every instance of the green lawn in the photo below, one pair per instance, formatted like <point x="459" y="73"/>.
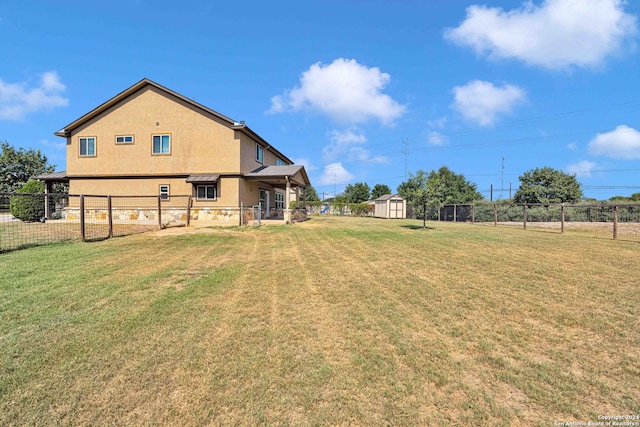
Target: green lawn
<point x="335" y="321"/>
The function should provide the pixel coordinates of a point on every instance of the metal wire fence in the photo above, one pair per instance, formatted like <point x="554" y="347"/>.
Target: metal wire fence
<point x="620" y="222"/>
<point x="51" y="218"/>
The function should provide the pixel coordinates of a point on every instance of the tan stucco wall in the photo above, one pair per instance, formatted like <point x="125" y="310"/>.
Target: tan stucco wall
<point x="227" y="189"/>
<point x="199" y="143"/>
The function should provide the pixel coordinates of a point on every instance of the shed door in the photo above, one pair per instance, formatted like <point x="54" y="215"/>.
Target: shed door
<point x="395" y="208"/>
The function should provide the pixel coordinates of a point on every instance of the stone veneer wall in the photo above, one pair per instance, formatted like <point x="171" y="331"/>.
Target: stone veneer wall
<point x="169" y="215"/>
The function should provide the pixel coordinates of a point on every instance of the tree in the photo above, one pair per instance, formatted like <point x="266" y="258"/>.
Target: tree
<point x="380" y="190"/>
<point x="357" y="193"/>
<point x="311" y="195"/>
<point x="548" y="185"/>
<point x="18" y="166"/>
<point x="414" y="191"/>
<point x="447" y="187"/>
<point x="429" y="191"/>
<point x="28" y="208"/>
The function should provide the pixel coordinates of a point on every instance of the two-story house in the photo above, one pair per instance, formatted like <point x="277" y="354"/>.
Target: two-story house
<point x="149" y="140"/>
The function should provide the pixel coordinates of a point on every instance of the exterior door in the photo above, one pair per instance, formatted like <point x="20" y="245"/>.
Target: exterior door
<point x="264" y="201"/>
<point x="395" y="209"/>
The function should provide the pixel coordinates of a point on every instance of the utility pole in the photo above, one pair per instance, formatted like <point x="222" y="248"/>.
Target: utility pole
<point x="502" y="183"/>
<point x="405" y="151"/>
<point x="334" y="188"/>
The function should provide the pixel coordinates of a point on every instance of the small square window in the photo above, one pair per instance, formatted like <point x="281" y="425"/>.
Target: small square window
<point x="88" y="146"/>
<point x="206" y="192"/>
<point x="164" y="192"/>
<point x="161" y="144"/>
<point x="124" y="139"/>
<point x="259" y="153"/>
<point x="280" y="162"/>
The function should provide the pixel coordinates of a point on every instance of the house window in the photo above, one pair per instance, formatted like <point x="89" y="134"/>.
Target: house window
<point x="206" y="192"/>
<point x="259" y="153"/>
<point x="124" y="139"/>
<point x="161" y="144"/>
<point x="280" y="162"/>
<point x="279" y="200"/>
<point x="88" y="146"/>
<point x="164" y="192"/>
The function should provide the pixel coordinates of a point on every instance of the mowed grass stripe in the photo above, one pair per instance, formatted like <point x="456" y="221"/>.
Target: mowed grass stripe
<point x="332" y="321"/>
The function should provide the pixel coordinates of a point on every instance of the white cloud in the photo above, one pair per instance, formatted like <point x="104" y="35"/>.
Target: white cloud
<point x="335" y="173"/>
<point x="556" y="34"/>
<point x="345" y="142"/>
<point x="17" y="99"/>
<point x="436" y="138"/>
<point x="572" y="146"/>
<point x="621" y="143"/>
<point x="344" y="90"/>
<point x="304" y="162"/>
<point x="482" y="102"/>
<point x="582" y="168"/>
<point x="439" y="123"/>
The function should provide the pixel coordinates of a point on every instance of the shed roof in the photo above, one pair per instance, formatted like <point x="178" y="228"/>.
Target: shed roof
<point x="211" y="177"/>
<point x="60" y="176"/>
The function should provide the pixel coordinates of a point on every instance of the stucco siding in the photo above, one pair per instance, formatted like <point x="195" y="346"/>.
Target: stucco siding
<point x="199" y="143"/>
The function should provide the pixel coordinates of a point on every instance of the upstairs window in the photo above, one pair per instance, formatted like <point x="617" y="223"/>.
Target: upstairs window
<point x="124" y="139"/>
<point x="88" y="146"/>
<point x="161" y="144"/>
<point x="206" y="192"/>
<point x="280" y="162"/>
<point x="259" y="153"/>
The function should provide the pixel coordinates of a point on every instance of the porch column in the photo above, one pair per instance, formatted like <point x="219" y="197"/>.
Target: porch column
<point x="287" y="202"/>
<point x="47" y="190"/>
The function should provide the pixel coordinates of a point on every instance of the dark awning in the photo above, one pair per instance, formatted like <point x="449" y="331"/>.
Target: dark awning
<point x="205" y="178"/>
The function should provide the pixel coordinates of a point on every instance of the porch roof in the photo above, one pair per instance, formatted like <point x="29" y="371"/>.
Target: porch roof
<point x="279" y="174"/>
<point x="60" y="176"/>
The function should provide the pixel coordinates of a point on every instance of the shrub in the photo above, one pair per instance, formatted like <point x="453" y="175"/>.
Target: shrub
<point x="27" y="207"/>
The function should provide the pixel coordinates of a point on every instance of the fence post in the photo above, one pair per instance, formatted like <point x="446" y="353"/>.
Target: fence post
<point x="82" y="230"/>
<point x="241" y="215"/>
<point x="562" y="218"/>
<point x="455" y="213"/>
<point x="615" y="222"/>
<point x="189" y="210"/>
<point x="473" y="213"/>
<point x="495" y="215"/>
<point x="110" y="216"/>
<point x="159" y="212"/>
<point x="524" y="216"/>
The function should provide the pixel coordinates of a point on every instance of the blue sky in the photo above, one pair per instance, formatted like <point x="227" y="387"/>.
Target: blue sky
<point x="348" y="87"/>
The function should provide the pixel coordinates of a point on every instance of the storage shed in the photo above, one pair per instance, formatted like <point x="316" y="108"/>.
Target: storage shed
<point x="390" y="206"/>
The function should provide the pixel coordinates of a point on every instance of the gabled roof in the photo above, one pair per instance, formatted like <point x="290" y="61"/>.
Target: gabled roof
<point x="275" y="172"/>
<point x="64" y="132"/>
<point x="387" y="197"/>
<point x="238" y="126"/>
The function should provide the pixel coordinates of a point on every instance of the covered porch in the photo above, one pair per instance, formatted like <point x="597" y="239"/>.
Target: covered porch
<point x="292" y="182"/>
